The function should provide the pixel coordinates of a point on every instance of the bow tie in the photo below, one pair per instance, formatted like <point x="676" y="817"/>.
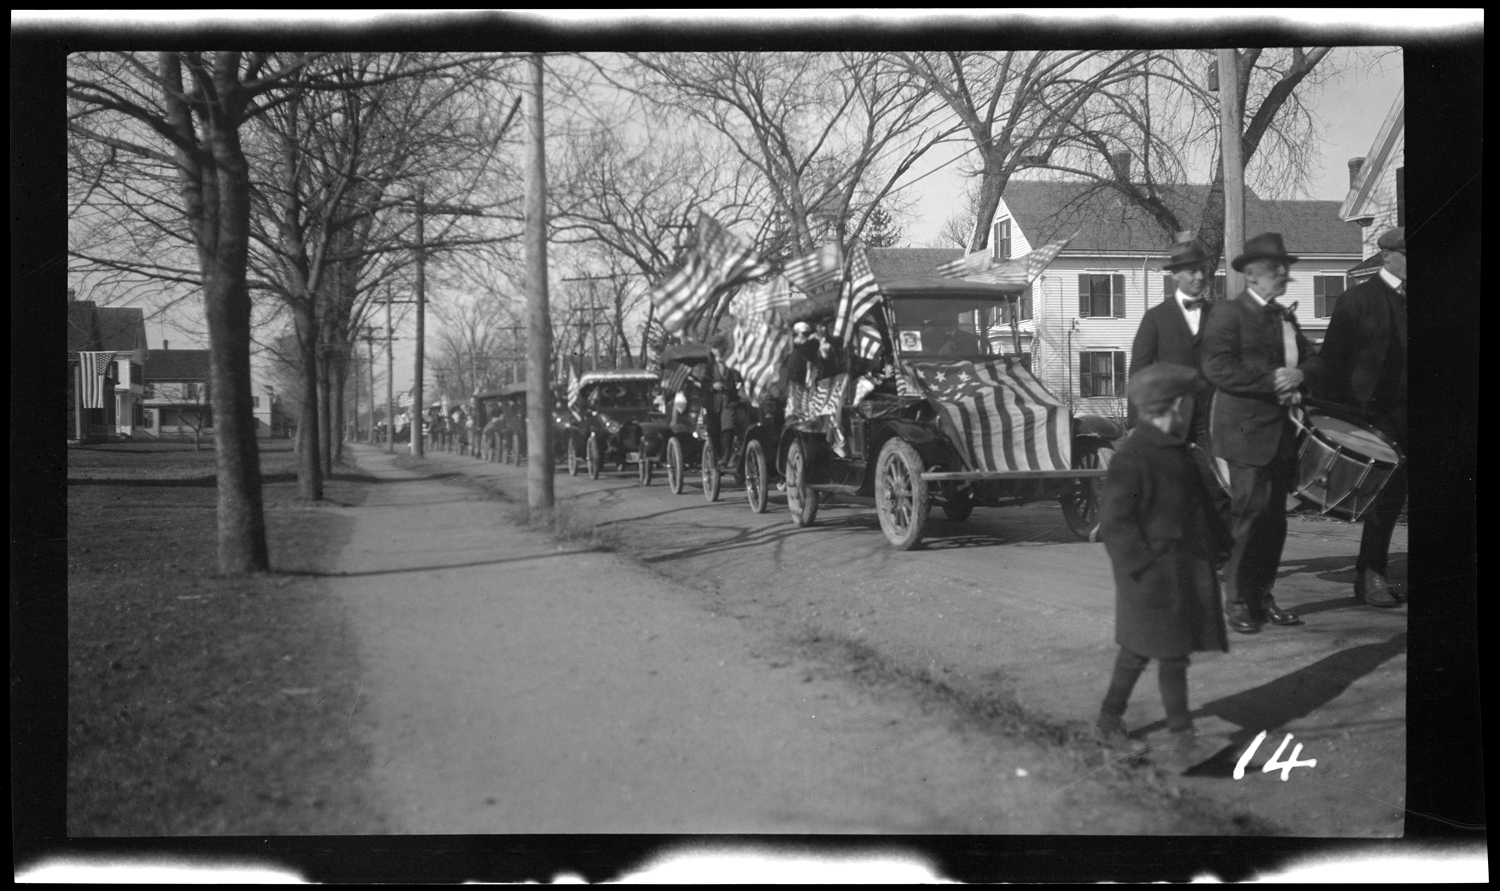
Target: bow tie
<point x="1281" y="312"/>
<point x="1195" y="303"/>
<point x="1401" y="289"/>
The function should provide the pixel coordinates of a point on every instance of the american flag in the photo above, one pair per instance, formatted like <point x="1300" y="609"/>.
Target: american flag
<point x="94" y="368"/>
<point x="820" y="267"/>
<point x="575" y="406"/>
<point x="823" y="398"/>
<point x="975" y="262"/>
<point x="678" y="378"/>
<point x="1005" y="418"/>
<point x="716" y="261"/>
<point x="861" y="296"/>
<point x="1019" y="272"/>
<point x="763" y="298"/>
<point x="760" y="345"/>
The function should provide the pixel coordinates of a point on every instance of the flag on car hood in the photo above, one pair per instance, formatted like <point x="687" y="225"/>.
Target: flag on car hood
<point x="1004" y="418"/>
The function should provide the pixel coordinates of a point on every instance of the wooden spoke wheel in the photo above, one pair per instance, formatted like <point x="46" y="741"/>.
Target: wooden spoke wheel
<point x="1080" y="503"/>
<point x="801" y="499"/>
<point x="712" y="478"/>
<point x="901" y="497"/>
<point x="757" y="477"/>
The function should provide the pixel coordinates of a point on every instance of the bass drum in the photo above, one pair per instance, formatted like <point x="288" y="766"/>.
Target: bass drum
<point x="1342" y="466"/>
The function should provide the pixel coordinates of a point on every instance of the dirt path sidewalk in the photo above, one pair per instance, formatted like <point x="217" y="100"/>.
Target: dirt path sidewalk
<point x="518" y="685"/>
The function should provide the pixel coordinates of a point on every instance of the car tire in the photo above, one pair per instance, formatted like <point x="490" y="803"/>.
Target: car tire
<point x="901" y="497"/>
<point x="595" y="456"/>
<point x="1081" y="500"/>
<point x="572" y="457"/>
<point x="757" y="477"/>
<point x="645" y="471"/>
<point x="801" y="499"/>
<point x="675" y="465"/>
<point x="712" y="478"/>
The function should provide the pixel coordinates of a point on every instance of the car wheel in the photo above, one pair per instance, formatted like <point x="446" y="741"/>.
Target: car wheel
<point x="572" y="457"/>
<point x="595" y="456"/>
<point x="757" y="477"/>
<point x="958" y="511"/>
<point x="674" y="465"/>
<point x="801" y="500"/>
<point x="645" y="471"/>
<point x="1080" y="502"/>
<point x="712" y="478"/>
<point x="901" y="497"/>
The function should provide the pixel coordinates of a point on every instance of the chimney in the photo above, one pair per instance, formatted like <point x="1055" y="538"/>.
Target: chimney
<point x="166" y="344"/>
<point x="1354" y="167"/>
<point x="1122" y="163"/>
<point x="72" y="294"/>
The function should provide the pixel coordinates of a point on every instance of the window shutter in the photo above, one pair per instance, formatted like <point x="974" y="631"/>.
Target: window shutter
<point x="1083" y="295"/>
<point x="1168" y="288"/>
<point x="1026" y="304"/>
<point x="1084" y="378"/>
<point x="1320" y="299"/>
<point x="1119" y="296"/>
<point x="1119" y="381"/>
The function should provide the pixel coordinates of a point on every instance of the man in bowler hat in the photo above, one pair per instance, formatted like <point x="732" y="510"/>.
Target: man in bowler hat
<point x="1165" y="532"/>
<point x="1172" y="331"/>
<point x="1257" y="358"/>
<point x="1364" y="359"/>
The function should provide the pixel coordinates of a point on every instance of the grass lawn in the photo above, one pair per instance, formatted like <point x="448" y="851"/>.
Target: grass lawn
<point x="199" y="704"/>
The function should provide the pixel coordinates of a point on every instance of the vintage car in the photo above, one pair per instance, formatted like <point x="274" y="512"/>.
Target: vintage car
<point x="500" y="416"/>
<point x="939" y="418"/>
<point x="685" y="372"/>
<point x="617" y="409"/>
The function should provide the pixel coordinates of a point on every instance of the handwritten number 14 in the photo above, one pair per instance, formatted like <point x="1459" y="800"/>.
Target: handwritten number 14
<point x="1275" y="763"/>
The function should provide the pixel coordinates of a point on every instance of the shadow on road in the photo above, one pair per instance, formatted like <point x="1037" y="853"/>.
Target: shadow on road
<point x="1273" y="705"/>
<point x="310" y="573"/>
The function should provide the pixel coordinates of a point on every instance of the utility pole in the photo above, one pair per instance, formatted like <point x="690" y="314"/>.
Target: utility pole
<point x="370" y="343"/>
<point x="419" y="409"/>
<point x="1231" y="140"/>
<point x="538" y="354"/>
<point x="390" y="374"/>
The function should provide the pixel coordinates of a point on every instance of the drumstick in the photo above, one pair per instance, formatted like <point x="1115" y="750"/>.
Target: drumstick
<point x="1337" y="408"/>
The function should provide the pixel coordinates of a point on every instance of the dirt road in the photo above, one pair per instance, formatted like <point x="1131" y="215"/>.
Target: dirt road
<point x="520" y="685"/>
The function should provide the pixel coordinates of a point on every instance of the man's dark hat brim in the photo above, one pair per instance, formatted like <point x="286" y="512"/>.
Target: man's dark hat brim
<point x="1267" y="246"/>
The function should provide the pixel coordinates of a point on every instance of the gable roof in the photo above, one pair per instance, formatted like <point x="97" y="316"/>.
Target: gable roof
<point x="1106" y="223"/>
<point x="123" y="328"/>
<point x="83" y="328"/>
<point x="176" y="365"/>
<point x="890" y="264"/>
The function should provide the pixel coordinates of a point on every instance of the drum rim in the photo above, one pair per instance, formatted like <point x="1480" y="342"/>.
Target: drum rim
<point x="1311" y="427"/>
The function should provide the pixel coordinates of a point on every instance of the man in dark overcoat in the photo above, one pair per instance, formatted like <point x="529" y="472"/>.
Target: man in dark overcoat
<point x="1172" y="331"/>
<point x="1165" y="534"/>
<point x="1256" y="356"/>
<point x="1364" y="361"/>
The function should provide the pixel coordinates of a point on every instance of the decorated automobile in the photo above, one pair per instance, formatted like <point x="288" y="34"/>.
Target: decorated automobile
<point x="938" y="418"/>
<point x="687" y="381"/>
<point x="500" y="418"/>
<point x="616" y="409"/>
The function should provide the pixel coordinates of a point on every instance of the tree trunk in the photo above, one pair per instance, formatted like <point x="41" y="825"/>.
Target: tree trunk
<point x="991" y="185"/>
<point x="326" y="429"/>
<point x="309" y="463"/>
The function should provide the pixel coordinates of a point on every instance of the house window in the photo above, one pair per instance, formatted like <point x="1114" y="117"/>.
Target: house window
<point x="1101" y="295"/>
<point x="1002" y="240"/>
<point x="255" y="400"/>
<point x="1101" y="373"/>
<point x="1000" y="314"/>
<point x="148" y="391"/>
<point x="1326" y="291"/>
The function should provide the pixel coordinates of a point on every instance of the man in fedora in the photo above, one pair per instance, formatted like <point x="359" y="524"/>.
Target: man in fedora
<point x="1256" y="357"/>
<point x="1172" y="331"/>
<point x="1364" y="357"/>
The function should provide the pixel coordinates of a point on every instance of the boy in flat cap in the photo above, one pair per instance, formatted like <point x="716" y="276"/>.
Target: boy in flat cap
<point x="1163" y="522"/>
<point x="1364" y="357"/>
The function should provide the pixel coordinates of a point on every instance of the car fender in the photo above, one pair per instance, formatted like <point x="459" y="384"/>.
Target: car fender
<point x="1098" y="427"/>
<point x="934" y="449"/>
<point x="814" y="446"/>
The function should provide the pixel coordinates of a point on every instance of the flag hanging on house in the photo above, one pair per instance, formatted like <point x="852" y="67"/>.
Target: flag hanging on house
<point x="715" y="262"/>
<point x="93" y="368"/>
<point x="860" y="297"/>
<point x="760" y="345"/>
<point x="822" y="266"/>
<point x="1002" y="416"/>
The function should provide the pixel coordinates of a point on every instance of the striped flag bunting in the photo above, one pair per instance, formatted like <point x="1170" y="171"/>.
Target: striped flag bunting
<point x="770" y="295"/>
<point x="822" y="398"/>
<point x="965" y="265"/>
<point x="716" y="261"/>
<point x="678" y="378"/>
<point x="822" y="266"/>
<point x="1005" y="419"/>
<point x="93" y="368"/>
<point x="1018" y="272"/>
<point x="860" y="296"/>
<point x="760" y="346"/>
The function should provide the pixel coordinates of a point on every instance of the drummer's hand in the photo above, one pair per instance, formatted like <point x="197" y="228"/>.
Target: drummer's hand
<point x="1291" y="397"/>
<point x="1288" y="379"/>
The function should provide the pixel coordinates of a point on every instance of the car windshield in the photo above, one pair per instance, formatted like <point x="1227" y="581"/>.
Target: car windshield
<point x="950" y="326"/>
<point x="623" y="394"/>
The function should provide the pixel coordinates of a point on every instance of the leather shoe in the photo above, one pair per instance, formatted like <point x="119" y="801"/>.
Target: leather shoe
<point x="1277" y="616"/>
<point x="1110" y="731"/>
<point x="1239" y="618"/>
<point x="1370" y="587"/>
